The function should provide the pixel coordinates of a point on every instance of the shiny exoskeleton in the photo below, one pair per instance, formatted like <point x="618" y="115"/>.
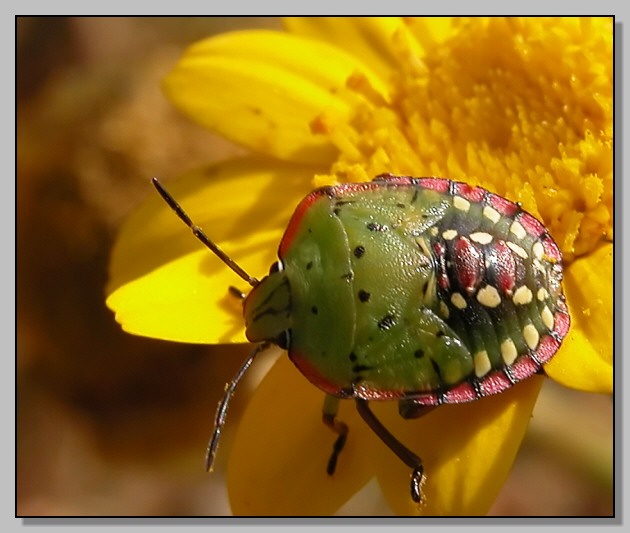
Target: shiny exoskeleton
<point x="422" y="290"/>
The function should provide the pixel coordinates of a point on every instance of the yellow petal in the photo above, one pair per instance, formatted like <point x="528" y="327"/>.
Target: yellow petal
<point x="373" y="39"/>
<point x="165" y="284"/>
<point x="262" y="89"/>
<point x="278" y="459"/>
<point x="585" y="359"/>
<point x="369" y="38"/>
<point x="467" y="450"/>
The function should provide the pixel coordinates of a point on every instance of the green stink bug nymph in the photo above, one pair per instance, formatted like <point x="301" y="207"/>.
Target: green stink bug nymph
<point x="422" y="290"/>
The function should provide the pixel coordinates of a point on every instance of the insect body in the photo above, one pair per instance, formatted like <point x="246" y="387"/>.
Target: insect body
<point x="422" y="290"/>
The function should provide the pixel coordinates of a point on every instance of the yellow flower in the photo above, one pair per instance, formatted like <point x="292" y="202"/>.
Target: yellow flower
<point x="522" y="107"/>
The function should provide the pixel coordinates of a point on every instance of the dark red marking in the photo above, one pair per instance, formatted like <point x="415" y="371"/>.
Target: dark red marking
<point x="502" y="269"/>
<point x="472" y="194"/>
<point x="469" y="266"/>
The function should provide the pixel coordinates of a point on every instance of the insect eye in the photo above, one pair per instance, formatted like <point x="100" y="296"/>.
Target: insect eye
<point x="284" y="339"/>
<point x="276" y="267"/>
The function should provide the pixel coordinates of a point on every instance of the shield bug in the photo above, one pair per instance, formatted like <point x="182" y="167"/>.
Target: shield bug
<point x="422" y="290"/>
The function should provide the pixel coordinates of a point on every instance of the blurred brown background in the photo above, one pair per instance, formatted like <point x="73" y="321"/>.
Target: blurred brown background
<point x="111" y="424"/>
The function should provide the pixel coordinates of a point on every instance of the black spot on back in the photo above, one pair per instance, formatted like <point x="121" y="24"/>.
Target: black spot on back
<point x="364" y="296"/>
<point x="419" y="353"/>
<point x="314" y="310"/>
<point x="309" y="265"/>
<point x="359" y="251"/>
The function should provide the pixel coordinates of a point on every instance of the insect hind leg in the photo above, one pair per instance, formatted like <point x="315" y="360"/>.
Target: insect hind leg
<point x="329" y="417"/>
<point x="413" y="409"/>
<point x="401" y="451"/>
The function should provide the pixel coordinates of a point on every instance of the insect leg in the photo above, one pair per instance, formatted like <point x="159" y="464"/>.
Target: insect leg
<point x="329" y="414"/>
<point x="412" y="409"/>
<point x="403" y="453"/>
<point x="237" y="293"/>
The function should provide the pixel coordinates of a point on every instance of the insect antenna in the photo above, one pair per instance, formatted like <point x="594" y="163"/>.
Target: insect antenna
<point x="222" y="408"/>
<point x="198" y="232"/>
